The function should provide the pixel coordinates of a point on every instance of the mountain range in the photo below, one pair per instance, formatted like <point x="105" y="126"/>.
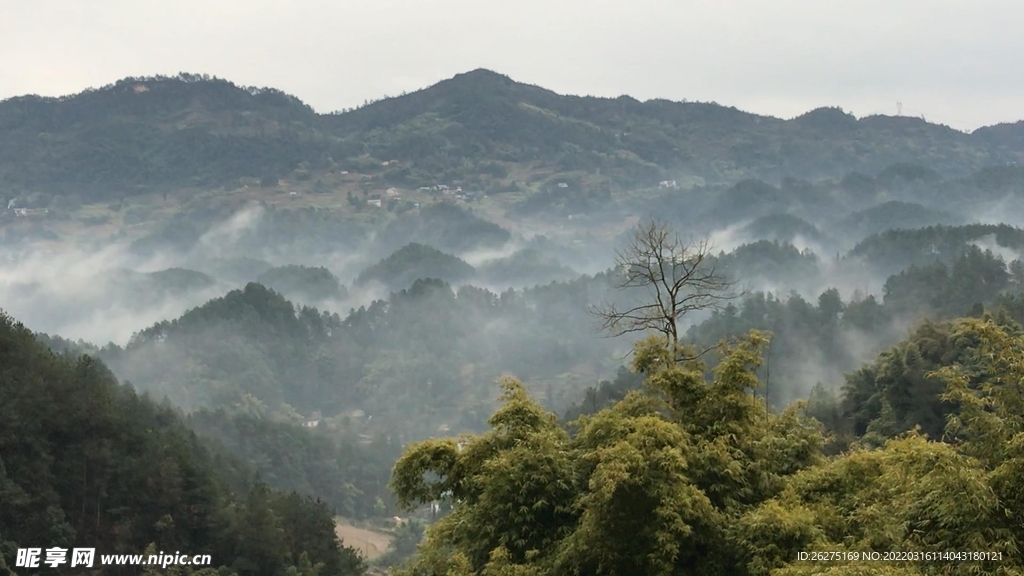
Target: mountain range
<point x="157" y="133"/>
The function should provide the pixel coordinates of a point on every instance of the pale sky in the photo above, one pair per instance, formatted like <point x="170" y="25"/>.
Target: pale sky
<point x="959" y="63"/>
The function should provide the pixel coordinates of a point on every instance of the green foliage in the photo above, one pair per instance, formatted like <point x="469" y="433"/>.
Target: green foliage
<point x="251" y="339"/>
<point x="809" y="344"/>
<point x="516" y="479"/>
<point x="414" y="362"/>
<point x="483" y="115"/>
<point x="772" y="262"/>
<point x="900" y="390"/>
<point x="197" y="131"/>
<point x="911" y="495"/>
<point x="694" y="476"/>
<point x="605" y="393"/>
<point x="346" y="474"/>
<point x="86" y="462"/>
<point x="893" y="215"/>
<point x="178" y="131"/>
<point x="894" y="250"/>
<point x="413" y="262"/>
<point x="938" y="290"/>
<point x="303" y="283"/>
<point x="650" y="485"/>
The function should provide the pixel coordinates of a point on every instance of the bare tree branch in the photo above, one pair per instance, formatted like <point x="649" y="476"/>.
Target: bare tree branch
<point x="675" y="278"/>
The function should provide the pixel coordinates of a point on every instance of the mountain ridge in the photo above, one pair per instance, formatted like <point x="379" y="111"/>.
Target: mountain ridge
<point x="479" y="75"/>
<point x="194" y="130"/>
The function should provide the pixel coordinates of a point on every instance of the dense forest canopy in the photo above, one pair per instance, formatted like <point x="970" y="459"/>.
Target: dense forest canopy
<point x="163" y="132"/>
<point x="87" y="462"/>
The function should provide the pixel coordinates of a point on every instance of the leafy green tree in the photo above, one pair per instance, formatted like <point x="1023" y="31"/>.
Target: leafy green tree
<point x="649" y="485"/>
<point x="514" y="483"/>
<point x="901" y="390"/>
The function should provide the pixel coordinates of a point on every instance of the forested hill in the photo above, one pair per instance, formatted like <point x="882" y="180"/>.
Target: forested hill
<point x="86" y="462"/>
<point x="150" y="133"/>
<point x="485" y="113"/>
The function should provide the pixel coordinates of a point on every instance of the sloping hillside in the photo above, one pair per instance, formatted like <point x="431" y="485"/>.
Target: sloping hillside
<point x="482" y="115"/>
<point x="142" y="134"/>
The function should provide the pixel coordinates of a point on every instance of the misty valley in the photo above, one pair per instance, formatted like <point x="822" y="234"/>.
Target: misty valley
<point x="487" y="329"/>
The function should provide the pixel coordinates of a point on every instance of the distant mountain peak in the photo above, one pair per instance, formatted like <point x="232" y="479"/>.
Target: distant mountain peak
<point x="481" y="74"/>
<point x="482" y="80"/>
<point x="827" y="117"/>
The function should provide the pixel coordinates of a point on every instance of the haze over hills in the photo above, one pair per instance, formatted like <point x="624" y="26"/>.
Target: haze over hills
<point x="159" y="133"/>
<point x="311" y="292"/>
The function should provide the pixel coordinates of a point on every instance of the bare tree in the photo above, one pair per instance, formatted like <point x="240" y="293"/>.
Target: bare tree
<point x="680" y="277"/>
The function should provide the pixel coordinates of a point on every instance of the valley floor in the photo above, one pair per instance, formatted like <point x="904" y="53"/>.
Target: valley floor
<point x="370" y="543"/>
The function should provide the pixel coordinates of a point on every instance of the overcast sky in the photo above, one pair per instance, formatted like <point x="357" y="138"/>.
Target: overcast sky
<point x="957" y="63"/>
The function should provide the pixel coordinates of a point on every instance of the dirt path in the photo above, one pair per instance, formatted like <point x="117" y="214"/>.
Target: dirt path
<point x="370" y="543"/>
